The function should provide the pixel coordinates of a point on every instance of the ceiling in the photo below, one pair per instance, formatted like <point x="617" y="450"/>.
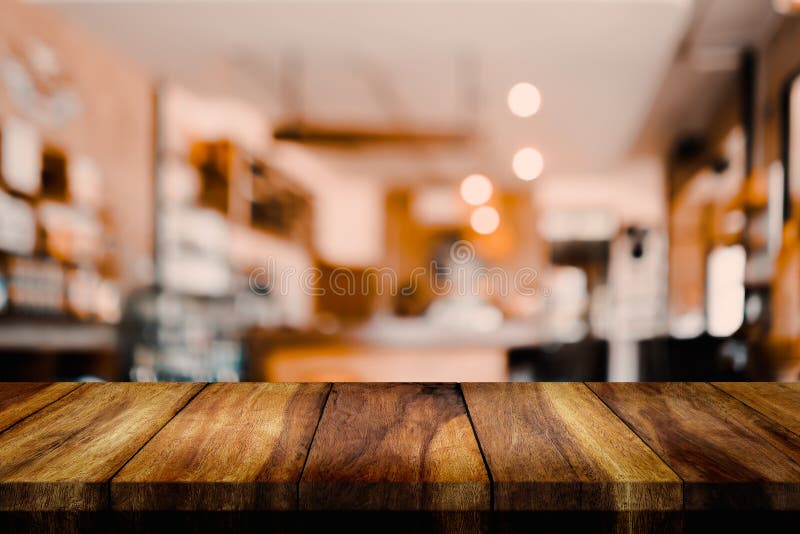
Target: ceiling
<point x="704" y="71"/>
<point x="599" y="65"/>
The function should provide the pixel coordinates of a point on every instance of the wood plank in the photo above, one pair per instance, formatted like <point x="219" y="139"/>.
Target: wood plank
<point x="556" y="446"/>
<point x="20" y="399"/>
<point x="234" y="447"/>
<point x="395" y="447"/>
<point x="62" y="457"/>
<point x="729" y="456"/>
<point x="778" y="401"/>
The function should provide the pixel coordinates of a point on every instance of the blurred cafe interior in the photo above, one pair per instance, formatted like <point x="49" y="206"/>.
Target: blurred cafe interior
<point x="400" y="191"/>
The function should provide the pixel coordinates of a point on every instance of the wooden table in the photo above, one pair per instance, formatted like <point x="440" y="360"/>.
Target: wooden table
<point x="472" y="448"/>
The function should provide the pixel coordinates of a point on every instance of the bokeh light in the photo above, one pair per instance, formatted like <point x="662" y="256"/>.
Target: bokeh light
<point x="528" y="164"/>
<point x="485" y="220"/>
<point x="476" y="189"/>
<point x="524" y="99"/>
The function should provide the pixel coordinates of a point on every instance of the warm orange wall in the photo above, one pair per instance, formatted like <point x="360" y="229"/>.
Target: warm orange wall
<point x="115" y="129"/>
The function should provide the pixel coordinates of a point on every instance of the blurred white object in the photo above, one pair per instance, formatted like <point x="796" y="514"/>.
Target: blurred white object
<point x="195" y="274"/>
<point x="623" y="363"/>
<point x="21" y="156"/>
<point x="17" y="225"/>
<point x="775" y="200"/>
<point x="566" y="305"/>
<point x="197" y="228"/>
<point x="465" y="313"/>
<point x="638" y="283"/>
<point x="726" y="270"/>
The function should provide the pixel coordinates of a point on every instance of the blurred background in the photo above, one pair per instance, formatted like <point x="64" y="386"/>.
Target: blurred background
<point x="395" y="191"/>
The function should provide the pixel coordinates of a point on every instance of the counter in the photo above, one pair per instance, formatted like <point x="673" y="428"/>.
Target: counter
<point x="471" y="447"/>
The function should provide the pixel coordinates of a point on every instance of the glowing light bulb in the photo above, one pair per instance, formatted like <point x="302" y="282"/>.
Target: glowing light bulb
<point x="524" y="99"/>
<point x="528" y="164"/>
<point x="476" y="189"/>
<point x="484" y="220"/>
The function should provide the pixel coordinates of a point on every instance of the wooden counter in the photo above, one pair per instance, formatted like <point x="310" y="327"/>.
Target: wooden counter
<point x="399" y="447"/>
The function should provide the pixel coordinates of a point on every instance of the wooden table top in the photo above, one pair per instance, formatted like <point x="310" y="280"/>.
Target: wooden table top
<point x="399" y="447"/>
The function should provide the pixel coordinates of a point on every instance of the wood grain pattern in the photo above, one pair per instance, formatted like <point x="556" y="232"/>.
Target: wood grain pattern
<point x="20" y="399"/>
<point x="778" y="401"/>
<point x="395" y="447"/>
<point x="556" y="446"/>
<point x="234" y="447"/>
<point x="399" y="447"/>
<point x="728" y="455"/>
<point x="62" y="457"/>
